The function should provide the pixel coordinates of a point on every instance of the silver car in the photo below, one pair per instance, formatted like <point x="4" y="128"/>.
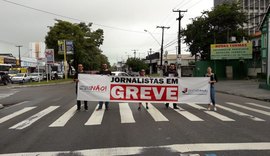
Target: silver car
<point x="20" y="78"/>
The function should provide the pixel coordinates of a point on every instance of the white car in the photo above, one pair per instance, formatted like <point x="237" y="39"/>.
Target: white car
<point x="20" y="78"/>
<point x="119" y="73"/>
<point x="36" y="76"/>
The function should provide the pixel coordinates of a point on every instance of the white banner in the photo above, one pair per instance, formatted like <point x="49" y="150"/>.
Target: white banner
<point x="148" y="89"/>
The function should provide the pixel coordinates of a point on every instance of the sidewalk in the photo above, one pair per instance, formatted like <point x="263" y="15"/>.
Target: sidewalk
<point x="244" y="88"/>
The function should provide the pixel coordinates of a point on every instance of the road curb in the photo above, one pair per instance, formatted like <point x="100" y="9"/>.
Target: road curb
<point x="1" y="106"/>
<point x="255" y="98"/>
<point x="51" y="84"/>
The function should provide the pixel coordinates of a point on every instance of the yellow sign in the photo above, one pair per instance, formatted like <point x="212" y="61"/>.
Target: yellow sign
<point x="231" y="51"/>
<point x="1" y="60"/>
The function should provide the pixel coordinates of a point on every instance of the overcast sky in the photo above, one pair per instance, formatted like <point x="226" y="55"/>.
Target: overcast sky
<point x="128" y="19"/>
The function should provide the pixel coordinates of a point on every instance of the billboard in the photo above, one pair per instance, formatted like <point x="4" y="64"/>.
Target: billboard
<point x="65" y="45"/>
<point x="231" y="51"/>
<point x="49" y="54"/>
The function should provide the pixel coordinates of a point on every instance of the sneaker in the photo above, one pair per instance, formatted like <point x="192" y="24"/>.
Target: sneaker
<point x="78" y="109"/>
<point x="215" y="109"/>
<point x="98" y="109"/>
<point x="106" y="109"/>
<point x="167" y="105"/>
<point x="175" y="108"/>
<point x="209" y="107"/>
<point x="147" y="107"/>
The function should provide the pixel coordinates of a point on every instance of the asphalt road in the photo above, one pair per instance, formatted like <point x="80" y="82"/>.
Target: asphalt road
<point x="42" y="120"/>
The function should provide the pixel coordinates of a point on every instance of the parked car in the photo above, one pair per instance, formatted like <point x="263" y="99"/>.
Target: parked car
<point x="119" y="73"/>
<point x="4" y="78"/>
<point x="20" y="78"/>
<point x="36" y="76"/>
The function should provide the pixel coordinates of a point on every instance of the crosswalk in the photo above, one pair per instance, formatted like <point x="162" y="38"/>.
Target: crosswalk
<point x="190" y="112"/>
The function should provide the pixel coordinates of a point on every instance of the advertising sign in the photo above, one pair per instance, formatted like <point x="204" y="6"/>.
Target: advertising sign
<point x="231" y="51"/>
<point x="49" y="54"/>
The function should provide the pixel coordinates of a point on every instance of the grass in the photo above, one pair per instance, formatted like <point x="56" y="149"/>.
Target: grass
<point x="49" y="82"/>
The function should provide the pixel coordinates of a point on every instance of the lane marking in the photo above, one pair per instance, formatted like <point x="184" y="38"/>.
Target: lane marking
<point x="61" y="121"/>
<point x="212" y="113"/>
<point x="249" y="108"/>
<point x="186" y="114"/>
<point x="96" y="117"/>
<point x="254" y="104"/>
<point x="240" y="113"/>
<point x="180" y="148"/>
<point x="155" y="113"/>
<point x="10" y="116"/>
<point x="34" y="118"/>
<point x="126" y="113"/>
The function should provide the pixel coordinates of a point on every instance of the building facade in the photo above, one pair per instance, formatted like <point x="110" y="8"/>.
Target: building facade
<point x="255" y="10"/>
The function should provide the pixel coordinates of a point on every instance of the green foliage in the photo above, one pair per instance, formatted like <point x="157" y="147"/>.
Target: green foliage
<point x="86" y="43"/>
<point x="136" y="64"/>
<point x="215" y="26"/>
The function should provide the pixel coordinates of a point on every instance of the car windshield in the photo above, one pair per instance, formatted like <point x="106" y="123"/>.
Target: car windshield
<point x="34" y="74"/>
<point x="20" y="75"/>
<point x="13" y="71"/>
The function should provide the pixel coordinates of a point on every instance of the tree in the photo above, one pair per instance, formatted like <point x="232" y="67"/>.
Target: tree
<point x="215" y="26"/>
<point x="86" y="42"/>
<point x="136" y="64"/>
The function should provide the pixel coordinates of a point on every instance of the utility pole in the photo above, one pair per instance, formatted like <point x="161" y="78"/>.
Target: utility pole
<point x="179" y="40"/>
<point x="135" y="51"/>
<point x="19" y="46"/>
<point x="149" y="56"/>
<point x="161" y="49"/>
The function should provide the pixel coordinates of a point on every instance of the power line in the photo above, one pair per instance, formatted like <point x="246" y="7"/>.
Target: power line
<point x="71" y="18"/>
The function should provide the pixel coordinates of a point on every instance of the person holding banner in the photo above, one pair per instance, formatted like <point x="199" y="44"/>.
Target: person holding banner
<point x="213" y="80"/>
<point x="172" y="72"/>
<point x="142" y="74"/>
<point x="80" y="71"/>
<point x="104" y="71"/>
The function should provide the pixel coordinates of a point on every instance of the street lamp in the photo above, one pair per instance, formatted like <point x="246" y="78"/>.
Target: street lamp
<point x="152" y="36"/>
<point x="19" y="46"/>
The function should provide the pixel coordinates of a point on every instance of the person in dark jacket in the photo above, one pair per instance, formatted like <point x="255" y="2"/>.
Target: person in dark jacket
<point x="104" y="71"/>
<point x="80" y="71"/>
<point x="172" y="72"/>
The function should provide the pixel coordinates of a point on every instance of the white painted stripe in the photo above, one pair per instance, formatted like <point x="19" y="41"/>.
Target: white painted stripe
<point x="180" y="148"/>
<point x="34" y="118"/>
<point x="155" y="113"/>
<point x="8" y="117"/>
<point x="218" y="116"/>
<point x="196" y="106"/>
<point x="96" y="117"/>
<point x="212" y="113"/>
<point x="240" y="113"/>
<point x="126" y="113"/>
<point x="186" y="114"/>
<point x="219" y="147"/>
<point x="61" y="121"/>
<point x="261" y="106"/>
<point x="249" y="108"/>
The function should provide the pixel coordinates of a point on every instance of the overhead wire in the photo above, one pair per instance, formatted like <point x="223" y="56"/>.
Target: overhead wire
<point x="71" y="18"/>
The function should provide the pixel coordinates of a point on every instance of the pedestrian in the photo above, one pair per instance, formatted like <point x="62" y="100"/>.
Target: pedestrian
<point x="104" y="71"/>
<point x="171" y="73"/>
<point x="142" y="74"/>
<point x="213" y="80"/>
<point x="80" y="71"/>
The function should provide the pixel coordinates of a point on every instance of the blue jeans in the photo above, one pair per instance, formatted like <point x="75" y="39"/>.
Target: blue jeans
<point x="212" y="95"/>
<point x="101" y="103"/>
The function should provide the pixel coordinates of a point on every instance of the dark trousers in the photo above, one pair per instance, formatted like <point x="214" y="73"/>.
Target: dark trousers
<point x="212" y="95"/>
<point x="174" y="105"/>
<point x="79" y="104"/>
<point x="101" y="103"/>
